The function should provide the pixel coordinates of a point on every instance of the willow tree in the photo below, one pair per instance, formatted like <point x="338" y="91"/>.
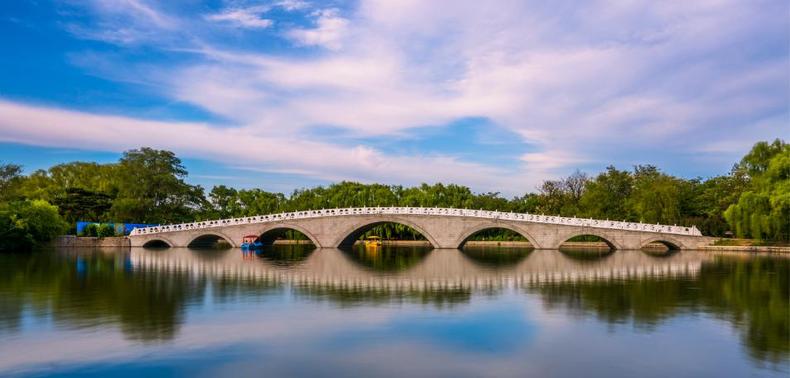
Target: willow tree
<point x="763" y="211"/>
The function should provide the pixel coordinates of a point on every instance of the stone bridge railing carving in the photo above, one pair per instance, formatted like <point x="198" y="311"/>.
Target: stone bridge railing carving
<point x="422" y="211"/>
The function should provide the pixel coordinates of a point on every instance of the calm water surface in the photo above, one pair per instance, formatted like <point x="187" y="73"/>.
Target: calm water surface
<point x="293" y="311"/>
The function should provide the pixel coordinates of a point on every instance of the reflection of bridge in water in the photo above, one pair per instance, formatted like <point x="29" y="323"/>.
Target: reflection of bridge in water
<point x="439" y="269"/>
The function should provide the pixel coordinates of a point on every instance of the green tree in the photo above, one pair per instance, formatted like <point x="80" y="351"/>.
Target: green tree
<point x="92" y="229"/>
<point x="257" y="201"/>
<point x="10" y="180"/>
<point x="756" y="162"/>
<point x="151" y="189"/>
<point x="713" y="198"/>
<point x="78" y="204"/>
<point x="606" y="196"/>
<point x="105" y="230"/>
<point x="562" y="197"/>
<point x="85" y="175"/>
<point x="656" y="196"/>
<point x="528" y="203"/>
<point x="763" y="211"/>
<point x="24" y="224"/>
<point x="224" y="202"/>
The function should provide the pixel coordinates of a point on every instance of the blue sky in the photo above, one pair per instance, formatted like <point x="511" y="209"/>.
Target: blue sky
<point x="494" y="95"/>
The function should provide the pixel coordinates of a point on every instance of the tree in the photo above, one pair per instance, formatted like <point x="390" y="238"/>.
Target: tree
<point x="763" y="211"/>
<point x="151" y="189"/>
<point x="91" y="176"/>
<point x="606" y="196"/>
<point x="713" y="198"/>
<point x="10" y="179"/>
<point x="528" y="203"/>
<point x="756" y="162"/>
<point x="224" y="202"/>
<point x="78" y="204"/>
<point x="562" y="197"/>
<point x="656" y="196"/>
<point x="24" y="224"/>
<point x="257" y="201"/>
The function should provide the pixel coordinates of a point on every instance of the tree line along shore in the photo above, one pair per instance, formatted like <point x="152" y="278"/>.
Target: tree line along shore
<point x="150" y="186"/>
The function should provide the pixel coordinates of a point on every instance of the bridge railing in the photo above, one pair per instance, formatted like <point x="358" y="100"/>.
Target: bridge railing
<point x="434" y="211"/>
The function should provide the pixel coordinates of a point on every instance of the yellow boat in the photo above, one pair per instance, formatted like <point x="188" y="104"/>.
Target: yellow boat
<point x="372" y="241"/>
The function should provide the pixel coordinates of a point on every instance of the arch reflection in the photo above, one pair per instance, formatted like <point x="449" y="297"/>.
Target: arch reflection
<point x="496" y="256"/>
<point x="587" y="255"/>
<point x="387" y="258"/>
<point x="285" y="254"/>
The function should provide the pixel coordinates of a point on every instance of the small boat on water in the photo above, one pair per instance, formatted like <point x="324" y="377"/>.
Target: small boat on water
<point x="372" y="241"/>
<point x="251" y="242"/>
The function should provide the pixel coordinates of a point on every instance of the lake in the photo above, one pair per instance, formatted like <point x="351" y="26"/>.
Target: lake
<point x="393" y="311"/>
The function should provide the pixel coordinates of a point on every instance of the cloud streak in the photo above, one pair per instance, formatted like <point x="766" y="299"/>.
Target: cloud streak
<point x="249" y="17"/>
<point x="328" y="33"/>
<point x="237" y="146"/>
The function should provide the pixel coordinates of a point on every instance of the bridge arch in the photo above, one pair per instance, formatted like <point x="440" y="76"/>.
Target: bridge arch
<point x="668" y="241"/>
<point x="158" y="242"/>
<point x="608" y="239"/>
<point x="352" y="233"/>
<point x="214" y="235"/>
<point x="286" y="226"/>
<point x="469" y="232"/>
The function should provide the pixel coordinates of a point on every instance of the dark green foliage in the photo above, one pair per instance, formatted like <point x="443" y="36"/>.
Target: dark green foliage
<point x="105" y="230"/>
<point x="497" y="234"/>
<point x="10" y="180"/>
<point x="656" y="196"/>
<point x="562" y="197"/>
<point x="763" y="209"/>
<point x="606" y="196"/>
<point x="77" y="204"/>
<point x="23" y="224"/>
<point x="91" y="230"/>
<point x="151" y="189"/>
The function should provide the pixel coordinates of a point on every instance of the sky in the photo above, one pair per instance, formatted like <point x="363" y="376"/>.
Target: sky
<point x="498" y="96"/>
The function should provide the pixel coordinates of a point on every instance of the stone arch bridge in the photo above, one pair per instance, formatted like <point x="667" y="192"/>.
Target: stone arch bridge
<point x="442" y="227"/>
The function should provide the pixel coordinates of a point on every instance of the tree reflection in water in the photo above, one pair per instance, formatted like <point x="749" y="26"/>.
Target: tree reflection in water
<point x="587" y="255"/>
<point x="354" y="296"/>
<point x="286" y="254"/>
<point x="387" y="258"/>
<point x="87" y="289"/>
<point x="752" y="293"/>
<point x="496" y="256"/>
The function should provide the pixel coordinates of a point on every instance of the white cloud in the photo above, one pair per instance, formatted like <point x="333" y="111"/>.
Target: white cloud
<point x="329" y="31"/>
<point x="250" y="17"/>
<point x="125" y="22"/>
<point x="44" y="126"/>
<point x="292" y="5"/>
